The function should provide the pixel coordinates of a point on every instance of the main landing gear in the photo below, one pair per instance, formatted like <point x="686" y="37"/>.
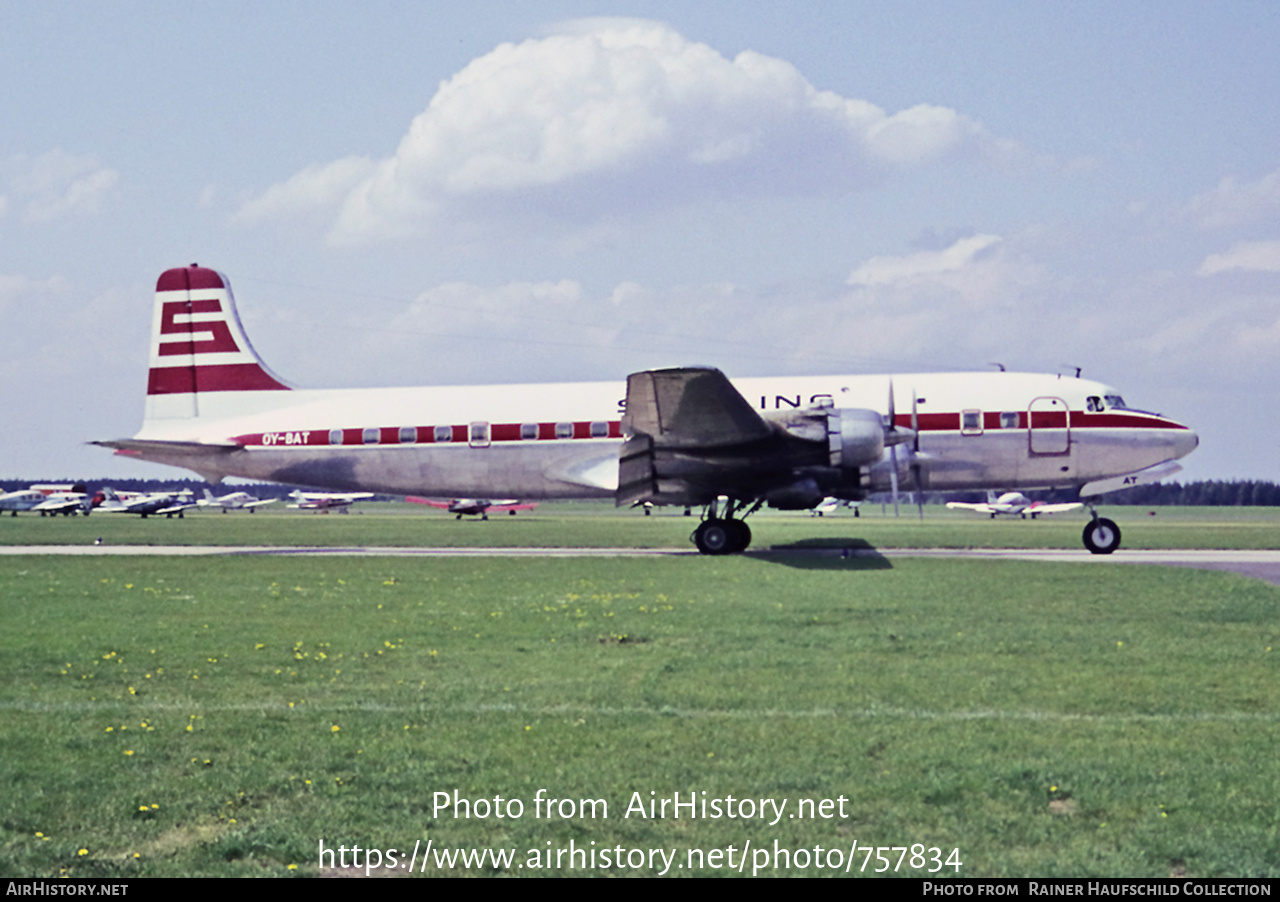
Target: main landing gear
<point x="727" y="534"/>
<point x="1101" y="536"/>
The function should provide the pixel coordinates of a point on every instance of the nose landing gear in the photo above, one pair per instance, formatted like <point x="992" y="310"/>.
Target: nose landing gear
<point x="1101" y="536"/>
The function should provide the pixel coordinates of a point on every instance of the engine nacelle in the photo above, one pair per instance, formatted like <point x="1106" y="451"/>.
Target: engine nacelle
<point x="800" y="495"/>
<point x="855" y="437"/>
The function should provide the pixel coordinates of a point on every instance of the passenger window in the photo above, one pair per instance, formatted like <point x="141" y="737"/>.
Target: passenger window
<point x="479" y="434"/>
<point x="335" y="436"/>
<point x="444" y="433"/>
<point x="370" y="435"/>
<point x="564" y="430"/>
<point x="971" y="422"/>
<point x="408" y="435"/>
<point x="1009" y="420"/>
<point x="599" y="429"/>
<point x="528" y="431"/>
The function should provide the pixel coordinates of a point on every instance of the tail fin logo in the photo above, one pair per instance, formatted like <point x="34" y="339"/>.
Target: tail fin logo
<point x="219" y="340"/>
<point x="198" y="345"/>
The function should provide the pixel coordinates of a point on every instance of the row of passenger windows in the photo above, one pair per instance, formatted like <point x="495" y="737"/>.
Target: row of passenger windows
<point x="476" y="433"/>
<point x="971" y="420"/>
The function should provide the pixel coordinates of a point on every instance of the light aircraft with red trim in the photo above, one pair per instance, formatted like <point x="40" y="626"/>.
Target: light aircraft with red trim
<point x="474" y="506"/>
<point x="1015" y="504"/>
<point x="685" y="436"/>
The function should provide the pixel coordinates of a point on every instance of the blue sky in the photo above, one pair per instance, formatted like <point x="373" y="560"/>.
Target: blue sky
<point x="411" y="193"/>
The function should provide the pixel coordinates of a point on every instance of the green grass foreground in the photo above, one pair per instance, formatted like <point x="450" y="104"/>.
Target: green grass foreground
<point x="221" y="716"/>
<point x="592" y="525"/>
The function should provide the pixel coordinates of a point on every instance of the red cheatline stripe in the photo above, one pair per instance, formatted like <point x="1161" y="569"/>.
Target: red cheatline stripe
<point x="425" y="435"/>
<point x="581" y="429"/>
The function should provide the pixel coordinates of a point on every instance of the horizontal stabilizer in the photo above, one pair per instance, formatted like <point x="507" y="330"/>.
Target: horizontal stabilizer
<point x="151" y="449"/>
<point x="209" y="460"/>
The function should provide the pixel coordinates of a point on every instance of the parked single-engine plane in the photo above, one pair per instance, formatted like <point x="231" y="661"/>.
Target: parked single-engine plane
<point x="233" y="501"/>
<point x="473" y="507"/>
<point x="1015" y="504"/>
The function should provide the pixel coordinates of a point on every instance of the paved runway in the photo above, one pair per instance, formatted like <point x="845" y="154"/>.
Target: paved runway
<point x="1264" y="565"/>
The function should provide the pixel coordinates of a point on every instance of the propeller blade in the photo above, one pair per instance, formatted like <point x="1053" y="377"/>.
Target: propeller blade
<point x="915" y="423"/>
<point x="915" y="476"/>
<point x="915" y="449"/>
<point x="893" y="448"/>
<point x="893" y="476"/>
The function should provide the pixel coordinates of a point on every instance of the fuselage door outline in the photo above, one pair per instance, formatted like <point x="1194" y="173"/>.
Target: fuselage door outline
<point x="1048" y="427"/>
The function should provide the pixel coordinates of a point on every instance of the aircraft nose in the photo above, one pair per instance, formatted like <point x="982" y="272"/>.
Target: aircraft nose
<point x="1184" y="442"/>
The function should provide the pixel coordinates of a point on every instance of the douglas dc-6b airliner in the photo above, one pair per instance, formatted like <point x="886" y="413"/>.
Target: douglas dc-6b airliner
<point x="685" y="436"/>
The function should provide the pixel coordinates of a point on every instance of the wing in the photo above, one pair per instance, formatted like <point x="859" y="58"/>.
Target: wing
<point x="512" y="507"/>
<point x="690" y="407"/>
<point x="177" y="508"/>
<point x="692" y="438"/>
<point x="1053" y="508"/>
<point x="964" y="506"/>
<point x="414" y="499"/>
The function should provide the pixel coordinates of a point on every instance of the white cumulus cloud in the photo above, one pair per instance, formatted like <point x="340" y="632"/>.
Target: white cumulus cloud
<point x="912" y="267"/>
<point x="1235" y="203"/>
<point x="1247" y="256"/>
<point x="55" y="185"/>
<point x="609" y="111"/>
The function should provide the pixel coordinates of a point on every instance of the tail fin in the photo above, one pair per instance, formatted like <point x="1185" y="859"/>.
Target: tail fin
<point x="198" y="347"/>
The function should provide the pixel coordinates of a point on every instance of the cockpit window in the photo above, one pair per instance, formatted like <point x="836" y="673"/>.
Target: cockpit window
<point x="1093" y="404"/>
<point x="1116" y="401"/>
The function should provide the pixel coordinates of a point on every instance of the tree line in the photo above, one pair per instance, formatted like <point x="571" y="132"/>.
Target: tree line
<point x="1216" y="492"/>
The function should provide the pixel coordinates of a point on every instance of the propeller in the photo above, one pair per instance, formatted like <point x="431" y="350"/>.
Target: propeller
<point x="894" y="437"/>
<point x="893" y="450"/>
<point x="915" y="452"/>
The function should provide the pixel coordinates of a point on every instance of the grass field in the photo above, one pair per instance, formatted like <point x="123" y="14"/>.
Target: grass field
<point x="579" y="525"/>
<point x="222" y="716"/>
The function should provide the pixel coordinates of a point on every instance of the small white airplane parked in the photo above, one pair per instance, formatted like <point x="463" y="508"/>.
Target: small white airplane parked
<point x="685" y="436"/>
<point x="474" y="506"/>
<point x="1014" y="504"/>
<point x="145" y="504"/>
<point x="235" y="501"/>
<point x="830" y="505"/>
<point x="327" y="500"/>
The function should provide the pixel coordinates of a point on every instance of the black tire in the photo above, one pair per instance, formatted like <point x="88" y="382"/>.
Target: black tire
<point x="1101" y="536"/>
<point x="718" y="536"/>
<point x="714" y="536"/>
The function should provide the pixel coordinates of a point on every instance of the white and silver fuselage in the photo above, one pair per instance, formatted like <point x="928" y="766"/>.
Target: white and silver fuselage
<point x="561" y="440"/>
